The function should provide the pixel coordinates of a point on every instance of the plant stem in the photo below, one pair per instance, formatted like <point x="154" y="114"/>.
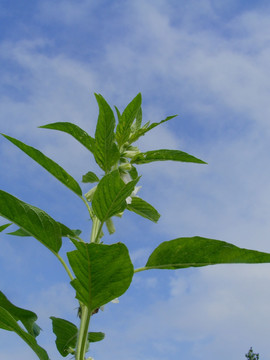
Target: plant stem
<point x="64" y="264"/>
<point x="81" y="347"/>
<point x="96" y="230"/>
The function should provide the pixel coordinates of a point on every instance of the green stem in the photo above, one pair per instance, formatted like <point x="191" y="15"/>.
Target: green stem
<point x="81" y="347"/>
<point x="96" y="230"/>
<point x="140" y="269"/>
<point x="64" y="264"/>
<point x="88" y="207"/>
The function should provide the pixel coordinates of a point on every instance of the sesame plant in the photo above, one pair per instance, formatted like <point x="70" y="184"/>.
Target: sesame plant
<point x="101" y="273"/>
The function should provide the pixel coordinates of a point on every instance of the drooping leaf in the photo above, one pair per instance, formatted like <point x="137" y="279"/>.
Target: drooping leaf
<point x="142" y="131"/>
<point x="3" y="227"/>
<point x="75" y="131"/>
<point x="163" y="155"/>
<point x="7" y="322"/>
<point x="110" y="196"/>
<point x="106" y="152"/>
<point x="143" y="208"/>
<point x="27" y="317"/>
<point x="90" y="177"/>
<point x="32" y="219"/>
<point x="66" y="335"/>
<point x="126" y="119"/>
<point x="52" y="167"/>
<point x="198" y="251"/>
<point x="103" y="272"/>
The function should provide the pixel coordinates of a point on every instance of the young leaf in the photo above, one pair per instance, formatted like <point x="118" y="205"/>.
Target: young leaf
<point x="7" y="322"/>
<point x="20" y="232"/>
<point x="65" y="231"/>
<point x="75" y="131"/>
<point x="94" y="336"/>
<point x="66" y="335"/>
<point x="103" y="272"/>
<point x="137" y="123"/>
<point x="106" y="152"/>
<point x="90" y="177"/>
<point x="110" y="196"/>
<point x="142" y="131"/>
<point x="3" y="227"/>
<point x="48" y="164"/>
<point x="33" y="220"/>
<point x="26" y="317"/>
<point x="198" y="251"/>
<point x="164" y="154"/>
<point x="125" y="121"/>
<point x="142" y="208"/>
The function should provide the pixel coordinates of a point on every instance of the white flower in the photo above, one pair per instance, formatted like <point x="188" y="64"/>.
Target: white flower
<point x="133" y="194"/>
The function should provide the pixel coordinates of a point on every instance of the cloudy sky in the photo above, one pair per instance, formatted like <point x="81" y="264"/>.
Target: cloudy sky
<point x="207" y="61"/>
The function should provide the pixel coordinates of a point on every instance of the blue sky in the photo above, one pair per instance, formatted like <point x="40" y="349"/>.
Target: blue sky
<point x="207" y="61"/>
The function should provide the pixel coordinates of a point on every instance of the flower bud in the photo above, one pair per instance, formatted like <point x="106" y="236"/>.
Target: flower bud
<point x="89" y="195"/>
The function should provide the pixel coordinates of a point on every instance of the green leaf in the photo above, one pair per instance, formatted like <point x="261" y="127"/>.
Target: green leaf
<point x="19" y="232"/>
<point x="66" y="335"/>
<point x="106" y="152"/>
<point x="164" y="154"/>
<point x="142" y="208"/>
<point x="48" y="164"/>
<point x="198" y="251"/>
<point x="65" y="231"/>
<point x="3" y="227"/>
<point x="27" y="317"/>
<point x="103" y="272"/>
<point x="33" y="220"/>
<point x="95" y="336"/>
<point x="142" y="131"/>
<point x="137" y="123"/>
<point x="110" y="196"/>
<point x="7" y="322"/>
<point x="126" y="119"/>
<point x="90" y="177"/>
<point x="75" y="131"/>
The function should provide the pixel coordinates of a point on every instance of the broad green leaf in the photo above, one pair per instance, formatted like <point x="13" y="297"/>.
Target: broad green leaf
<point x="27" y="317"/>
<point x="66" y="335"/>
<point x="106" y="152"/>
<point x="103" y="272"/>
<point x="110" y="196"/>
<point x="142" y="131"/>
<point x="48" y="164"/>
<point x="198" y="251"/>
<point x="126" y="119"/>
<point x="90" y="177"/>
<point x="32" y="219"/>
<point x="7" y="322"/>
<point x="141" y="207"/>
<point x="164" y="154"/>
<point x="75" y="131"/>
<point x="3" y="227"/>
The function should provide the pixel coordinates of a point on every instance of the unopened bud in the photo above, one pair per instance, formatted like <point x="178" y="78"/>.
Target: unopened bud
<point x="89" y="195"/>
